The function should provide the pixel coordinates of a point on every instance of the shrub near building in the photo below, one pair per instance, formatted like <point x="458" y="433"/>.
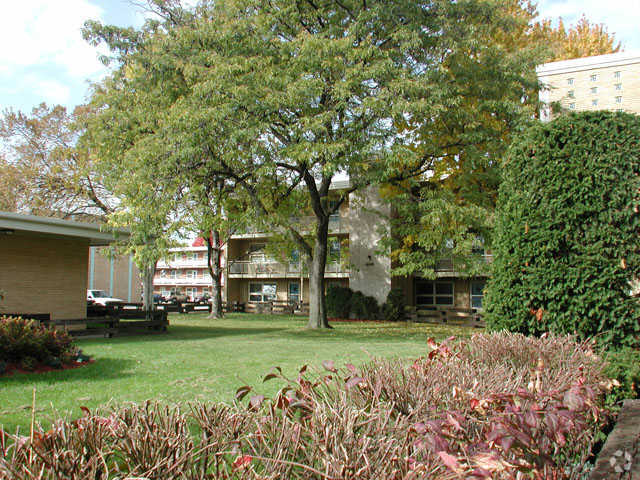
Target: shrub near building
<point x="566" y="243"/>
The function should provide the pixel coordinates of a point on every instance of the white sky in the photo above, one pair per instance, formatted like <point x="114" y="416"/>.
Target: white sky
<point x="44" y="58"/>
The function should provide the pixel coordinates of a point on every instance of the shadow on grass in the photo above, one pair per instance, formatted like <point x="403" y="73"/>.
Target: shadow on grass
<point x="184" y="333"/>
<point x="102" y="369"/>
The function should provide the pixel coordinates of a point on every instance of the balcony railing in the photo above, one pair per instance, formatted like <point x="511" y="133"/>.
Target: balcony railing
<point x="182" y="281"/>
<point x="451" y="265"/>
<point x="273" y="269"/>
<point x="189" y="263"/>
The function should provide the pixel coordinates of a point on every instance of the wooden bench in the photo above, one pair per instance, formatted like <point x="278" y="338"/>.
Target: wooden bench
<point x="469" y="317"/>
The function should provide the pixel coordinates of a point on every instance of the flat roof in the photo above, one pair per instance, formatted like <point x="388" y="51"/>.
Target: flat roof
<point x="17" y="222"/>
<point x="588" y="63"/>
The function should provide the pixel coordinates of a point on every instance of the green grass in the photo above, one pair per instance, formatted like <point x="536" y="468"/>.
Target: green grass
<point x="201" y="359"/>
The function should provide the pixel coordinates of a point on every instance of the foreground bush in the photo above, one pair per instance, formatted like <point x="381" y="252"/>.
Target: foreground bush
<point x="498" y="406"/>
<point x="338" y="301"/>
<point x="566" y="241"/>
<point x="27" y="343"/>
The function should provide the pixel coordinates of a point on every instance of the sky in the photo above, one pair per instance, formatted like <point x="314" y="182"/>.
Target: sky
<point x="44" y="58"/>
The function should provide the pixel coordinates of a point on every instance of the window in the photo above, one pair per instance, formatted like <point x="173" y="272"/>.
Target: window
<point x="618" y="86"/>
<point x="429" y="293"/>
<point x="294" y="292"/>
<point x="572" y="106"/>
<point x="594" y="103"/>
<point x="173" y="274"/>
<point x="594" y="77"/>
<point x="569" y="81"/>
<point x="262" y="292"/>
<point x="617" y="75"/>
<point x="594" y="90"/>
<point x="334" y="249"/>
<point x="477" y="292"/>
<point x="618" y="99"/>
<point x="571" y="94"/>
<point x="192" y="274"/>
<point x="192" y="292"/>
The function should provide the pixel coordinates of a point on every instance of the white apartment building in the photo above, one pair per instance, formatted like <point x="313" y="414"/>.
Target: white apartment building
<point x="603" y="82"/>
<point x="185" y="270"/>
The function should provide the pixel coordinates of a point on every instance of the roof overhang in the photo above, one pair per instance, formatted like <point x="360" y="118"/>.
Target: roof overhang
<point x="97" y="234"/>
<point x="588" y="63"/>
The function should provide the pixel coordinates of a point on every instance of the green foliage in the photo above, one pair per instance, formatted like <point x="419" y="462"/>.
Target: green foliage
<point x="430" y="224"/>
<point x="394" y="308"/>
<point x="24" y="339"/>
<point x="566" y="244"/>
<point x="338" y="301"/>
<point x="364" y="307"/>
<point x="623" y="365"/>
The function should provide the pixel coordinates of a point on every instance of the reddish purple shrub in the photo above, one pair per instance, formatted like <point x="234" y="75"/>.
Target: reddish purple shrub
<point x="497" y="406"/>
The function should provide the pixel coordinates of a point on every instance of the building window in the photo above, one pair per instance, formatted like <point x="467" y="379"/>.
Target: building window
<point x="618" y="99"/>
<point x="594" y="90"/>
<point x="618" y="86"/>
<point x="294" y="292"/>
<point x="334" y="250"/>
<point x="571" y="94"/>
<point x="617" y="75"/>
<point x="569" y="81"/>
<point x="594" y="77"/>
<point x="192" y="274"/>
<point x="262" y="292"/>
<point x="430" y="293"/>
<point x="173" y="274"/>
<point x="477" y="293"/>
<point x="594" y="102"/>
<point x="572" y="106"/>
<point x="192" y="292"/>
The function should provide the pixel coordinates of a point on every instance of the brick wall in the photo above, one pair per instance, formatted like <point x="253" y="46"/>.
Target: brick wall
<point x="44" y="275"/>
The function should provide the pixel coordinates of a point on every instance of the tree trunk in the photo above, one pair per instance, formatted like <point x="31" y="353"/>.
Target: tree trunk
<point x="317" y="304"/>
<point x="147" y="289"/>
<point x="215" y="270"/>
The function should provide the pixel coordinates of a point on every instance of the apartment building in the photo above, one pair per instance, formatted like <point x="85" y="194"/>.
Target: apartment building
<point x="603" y="82"/>
<point x="184" y="270"/>
<point x="253" y="275"/>
<point x="354" y="261"/>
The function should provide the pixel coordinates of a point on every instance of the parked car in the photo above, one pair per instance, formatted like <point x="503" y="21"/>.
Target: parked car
<point x="100" y="297"/>
<point x="177" y="296"/>
<point x="204" y="298"/>
<point x="157" y="298"/>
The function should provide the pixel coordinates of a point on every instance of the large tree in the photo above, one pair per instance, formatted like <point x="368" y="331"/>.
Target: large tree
<point x="44" y="170"/>
<point x="584" y="39"/>
<point x="281" y="97"/>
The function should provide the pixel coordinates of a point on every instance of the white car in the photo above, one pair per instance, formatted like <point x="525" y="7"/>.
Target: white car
<point x="100" y="297"/>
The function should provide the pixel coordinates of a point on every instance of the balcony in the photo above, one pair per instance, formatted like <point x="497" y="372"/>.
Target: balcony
<point x="182" y="280"/>
<point x="449" y="266"/>
<point x="201" y="263"/>
<point x="253" y="269"/>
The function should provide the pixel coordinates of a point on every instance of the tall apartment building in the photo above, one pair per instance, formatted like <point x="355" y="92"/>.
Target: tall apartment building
<point x="185" y="270"/>
<point x="603" y="82"/>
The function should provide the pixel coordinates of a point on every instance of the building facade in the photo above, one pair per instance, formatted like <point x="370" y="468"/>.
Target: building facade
<point x="185" y="271"/>
<point x="603" y="82"/>
<point x="117" y="275"/>
<point x="44" y="263"/>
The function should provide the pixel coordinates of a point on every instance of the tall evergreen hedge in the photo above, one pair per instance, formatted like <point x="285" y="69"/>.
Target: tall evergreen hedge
<point x="567" y="237"/>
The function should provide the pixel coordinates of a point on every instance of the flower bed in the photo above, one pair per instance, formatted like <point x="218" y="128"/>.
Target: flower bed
<point x="27" y="346"/>
<point x="500" y="406"/>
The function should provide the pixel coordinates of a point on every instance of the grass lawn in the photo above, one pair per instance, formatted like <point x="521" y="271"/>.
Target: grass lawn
<point x="201" y="359"/>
